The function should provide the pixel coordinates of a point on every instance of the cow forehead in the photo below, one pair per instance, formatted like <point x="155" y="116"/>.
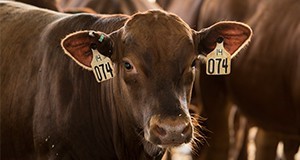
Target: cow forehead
<point x="156" y="26"/>
<point x="162" y="34"/>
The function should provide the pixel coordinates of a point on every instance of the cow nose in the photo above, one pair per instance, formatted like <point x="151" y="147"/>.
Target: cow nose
<point x="170" y="131"/>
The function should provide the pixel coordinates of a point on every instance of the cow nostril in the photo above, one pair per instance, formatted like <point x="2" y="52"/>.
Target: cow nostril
<point x="186" y="130"/>
<point x="160" y="130"/>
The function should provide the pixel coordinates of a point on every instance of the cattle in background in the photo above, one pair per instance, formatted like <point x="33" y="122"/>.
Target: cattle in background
<point x="55" y="6"/>
<point x="215" y="10"/>
<point x="163" y="3"/>
<point x="111" y="7"/>
<point x="53" y="108"/>
<point x="47" y="4"/>
<point x="188" y="10"/>
<point x="265" y="80"/>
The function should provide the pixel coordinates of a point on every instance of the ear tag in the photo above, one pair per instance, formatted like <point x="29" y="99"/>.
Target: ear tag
<point x="102" y="67"/>
<point x="218" y="61"/>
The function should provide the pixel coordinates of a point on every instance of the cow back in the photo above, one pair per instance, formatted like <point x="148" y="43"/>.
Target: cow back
<point x="111" y="7"/>
<point x="19" y="70"/>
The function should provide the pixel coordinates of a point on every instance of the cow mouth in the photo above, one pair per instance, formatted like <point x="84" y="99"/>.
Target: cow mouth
<point x="175" y="141"/>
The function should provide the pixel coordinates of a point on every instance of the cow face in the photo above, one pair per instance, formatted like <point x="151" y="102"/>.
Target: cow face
<point x="154" y="57"/>
<point x="160" y="53"/>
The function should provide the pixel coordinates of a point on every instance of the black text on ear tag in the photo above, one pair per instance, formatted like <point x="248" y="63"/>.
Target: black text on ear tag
<point x="102" y="66"/>
<point x="218" y="61"/>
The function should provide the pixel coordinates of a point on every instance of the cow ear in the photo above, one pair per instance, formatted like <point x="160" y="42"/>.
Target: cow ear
<point x="79" y="46"/>
<point x="235" y="36"/>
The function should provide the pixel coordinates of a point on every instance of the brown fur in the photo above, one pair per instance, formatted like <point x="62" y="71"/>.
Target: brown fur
<point x="112" y="7"/>
<point x="188" y="10"/>
<point x="53" y="108"/>
<point x="47" y="4"/>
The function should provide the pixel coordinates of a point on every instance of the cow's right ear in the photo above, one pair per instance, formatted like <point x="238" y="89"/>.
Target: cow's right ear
<point x="79" y="46"/>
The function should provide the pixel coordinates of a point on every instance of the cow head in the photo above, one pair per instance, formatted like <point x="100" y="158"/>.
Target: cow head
<point x="154" y="56"/>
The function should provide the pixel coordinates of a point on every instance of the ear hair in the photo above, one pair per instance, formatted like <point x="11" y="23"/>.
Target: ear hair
<point x="69" y="54"/>
<point x="236" y="36"/>
<point x="246" y="42"/>
<point x="79" y="45"/>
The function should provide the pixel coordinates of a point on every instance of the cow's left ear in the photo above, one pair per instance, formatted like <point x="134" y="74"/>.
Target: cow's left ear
<point x="79" y="46"/>
<point x="235" y="36"/>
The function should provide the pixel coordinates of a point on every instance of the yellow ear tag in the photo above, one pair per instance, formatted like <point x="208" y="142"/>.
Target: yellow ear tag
<point x="102" y="67"/>
<point x="218" y="61"/>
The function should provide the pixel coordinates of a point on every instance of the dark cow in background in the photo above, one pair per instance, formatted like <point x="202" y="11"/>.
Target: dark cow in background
<point x="163" y="3"/>
<point x="265" y="80"/>
<point x="213" y="10"/>
<point x="188" y="10"/>
<point x="52" y="106"/>
<point x="55" y="6"/>
<point x="111" y="7"/>
<point x="94" y="6"/>
<point x="47" y="4"/>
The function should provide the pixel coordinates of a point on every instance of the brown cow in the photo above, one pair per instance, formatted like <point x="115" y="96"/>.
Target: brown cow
<point x="216" y="10"/>
<point x="52" y="108"/>
<point x="264" y="82"/>
<point x="55" y="6"/>
<point x="111" y="7"/>
<point x="47" y="4"/>
<point x="163" y="3"/>
<point x="188" y="10"/>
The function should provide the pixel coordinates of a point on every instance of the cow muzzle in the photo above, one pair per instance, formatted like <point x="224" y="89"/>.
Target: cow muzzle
<point x="169" y="132"/>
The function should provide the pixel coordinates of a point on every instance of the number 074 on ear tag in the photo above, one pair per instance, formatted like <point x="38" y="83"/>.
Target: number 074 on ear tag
<point x="102" y="67"/>
<point x="218" y="61"/>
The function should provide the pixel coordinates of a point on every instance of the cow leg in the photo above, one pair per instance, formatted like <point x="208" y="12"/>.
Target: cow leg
<point x="243" y="152"/>
<point x="243" y="138"/>
<point x="239" y="129"/>
<point x="290" y="148"/>
<point x="218" y="140"/>
<point x="266" y="145"/>
<point x="216" y="109"/>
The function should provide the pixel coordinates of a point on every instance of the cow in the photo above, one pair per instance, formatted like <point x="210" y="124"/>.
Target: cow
<point x="52" y="106"/>
<point x="163" y="3"/>
<point x="188" y="10"/>
<point x="47" y="4"/>
<point x="265" y="80"/>
<point x="55" y="6"/>
<point x="215" y="10"/>
<point x="111" y="7"/>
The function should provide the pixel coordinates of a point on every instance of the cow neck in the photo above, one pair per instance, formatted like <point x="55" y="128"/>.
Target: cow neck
<point x="125" y="139"/>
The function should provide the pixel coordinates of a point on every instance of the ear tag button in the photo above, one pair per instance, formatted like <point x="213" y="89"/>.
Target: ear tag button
<point x="102" y="67"/>
<point x="218" y="61"/>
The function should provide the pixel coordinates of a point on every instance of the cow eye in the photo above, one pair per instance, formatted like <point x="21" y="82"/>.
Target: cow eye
<point x="128" y="66"/>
